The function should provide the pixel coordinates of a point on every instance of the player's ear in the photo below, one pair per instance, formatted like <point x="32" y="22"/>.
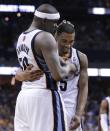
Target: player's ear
<point x="43" y="21"/>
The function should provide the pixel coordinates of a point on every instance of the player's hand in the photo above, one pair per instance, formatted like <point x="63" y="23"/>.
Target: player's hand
<point x="65" y="58"/>
<point x="63" y="63"/>
<point x="73" y="68"/>
<point x="31" y="73"/>
<point x="75" y="122"/>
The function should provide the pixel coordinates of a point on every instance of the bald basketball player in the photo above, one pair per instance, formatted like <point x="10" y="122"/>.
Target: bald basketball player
<point x="38" y="106"/>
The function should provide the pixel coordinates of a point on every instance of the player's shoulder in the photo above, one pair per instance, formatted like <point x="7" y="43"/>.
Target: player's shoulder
<point x="19" y="39"/>
<point x="82" y="56"/>
<point x="45" y="40"/>
<point x="20" y="35"/>
<point x="43" y="36"/>
<point x="83" y="59"/>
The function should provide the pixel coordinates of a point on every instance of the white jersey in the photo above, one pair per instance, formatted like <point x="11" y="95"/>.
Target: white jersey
<point x="69" y="88"/>
<point x="27" y="55"/>
<point x="108" y="101"/>
<point x="39" y="106"/>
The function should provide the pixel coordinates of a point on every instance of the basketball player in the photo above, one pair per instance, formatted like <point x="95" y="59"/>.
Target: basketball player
<point x="74" y="96"/>
<point x="74" y="89"/>
<point x="38" y="106"/>
<point x="105" y="114"/>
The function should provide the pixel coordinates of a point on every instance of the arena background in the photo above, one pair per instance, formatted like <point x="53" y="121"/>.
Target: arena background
<point x="92" y="24"/>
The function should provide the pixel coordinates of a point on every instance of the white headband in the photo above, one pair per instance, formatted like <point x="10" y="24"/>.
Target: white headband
<point x="42" y="15"/>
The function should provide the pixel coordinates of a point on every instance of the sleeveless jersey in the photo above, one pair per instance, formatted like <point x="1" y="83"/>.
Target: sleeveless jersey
<point x="69" y="87"/>
<point x="27" y="55"/>
<point x="108" y="101"/>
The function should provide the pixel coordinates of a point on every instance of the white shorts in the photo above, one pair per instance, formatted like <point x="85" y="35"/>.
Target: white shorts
<point x="70" y="112"/>
<point x="39" y="110"/>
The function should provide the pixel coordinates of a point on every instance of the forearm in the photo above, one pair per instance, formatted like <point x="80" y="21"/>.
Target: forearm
<point x="103" y="122"/>
<point x="63" y="71"/>
<point x="82" y="99"/>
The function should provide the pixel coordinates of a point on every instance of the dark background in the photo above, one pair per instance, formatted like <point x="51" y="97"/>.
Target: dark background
<point x="92" y="38"/>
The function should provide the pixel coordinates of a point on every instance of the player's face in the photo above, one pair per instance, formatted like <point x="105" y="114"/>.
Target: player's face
<point x="65" y="42"/>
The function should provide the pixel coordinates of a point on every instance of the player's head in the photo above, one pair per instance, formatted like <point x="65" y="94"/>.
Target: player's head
<point x="65" y="36"/>
<point x="46" y="17"/>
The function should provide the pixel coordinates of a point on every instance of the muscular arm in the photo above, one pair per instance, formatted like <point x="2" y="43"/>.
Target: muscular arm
<point x="49" y="49"/>
<point x="83" y="92"/>
<point x="29" y="74"/>
<point x="103" y="115"/>
<point x="83" y="84"/>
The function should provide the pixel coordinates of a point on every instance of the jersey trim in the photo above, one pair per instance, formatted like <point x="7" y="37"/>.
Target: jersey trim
<point x="28" y="31"/>
<point x="33" y="50"/>
<point x="78" y="56"/>
<point x="59" y="124"/>
<point x="50" y="82"/>
<point x="70" y="53"/>
<point x="82" y="125"/>
<point x="62" y="116"/>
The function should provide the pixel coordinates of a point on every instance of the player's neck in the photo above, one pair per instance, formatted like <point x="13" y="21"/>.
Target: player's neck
<point x="30" y="29"/>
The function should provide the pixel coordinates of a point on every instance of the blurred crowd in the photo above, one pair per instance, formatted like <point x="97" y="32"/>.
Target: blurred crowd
<point x="92" y="32"/>
<point x="99" y="3"/>
<point x="97" y="92"/>
<point x="7" y="107"/>
<point x="92" y="37"/>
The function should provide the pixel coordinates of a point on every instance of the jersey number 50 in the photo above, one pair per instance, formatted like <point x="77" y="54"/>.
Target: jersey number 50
<point x="23" y="63"/>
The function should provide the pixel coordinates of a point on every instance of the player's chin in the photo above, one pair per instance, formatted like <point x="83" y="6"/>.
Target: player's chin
<point x="66" y="50"/>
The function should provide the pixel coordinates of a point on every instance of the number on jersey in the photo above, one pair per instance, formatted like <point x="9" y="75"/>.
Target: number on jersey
<point x="63" y="85"/>
<point x="23" y="63"/>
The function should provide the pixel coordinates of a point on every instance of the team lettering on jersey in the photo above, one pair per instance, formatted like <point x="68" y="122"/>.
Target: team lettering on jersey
<point x="27" y="56"/>
<point x="23" y="48"/>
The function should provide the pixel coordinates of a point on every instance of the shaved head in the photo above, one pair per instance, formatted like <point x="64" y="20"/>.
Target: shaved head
<point x="45" y="18"/>
<point x="47" y="8"/>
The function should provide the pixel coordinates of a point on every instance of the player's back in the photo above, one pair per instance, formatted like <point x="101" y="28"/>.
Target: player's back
<point x="39" y="98"/>
<point x="27" y="56"/>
